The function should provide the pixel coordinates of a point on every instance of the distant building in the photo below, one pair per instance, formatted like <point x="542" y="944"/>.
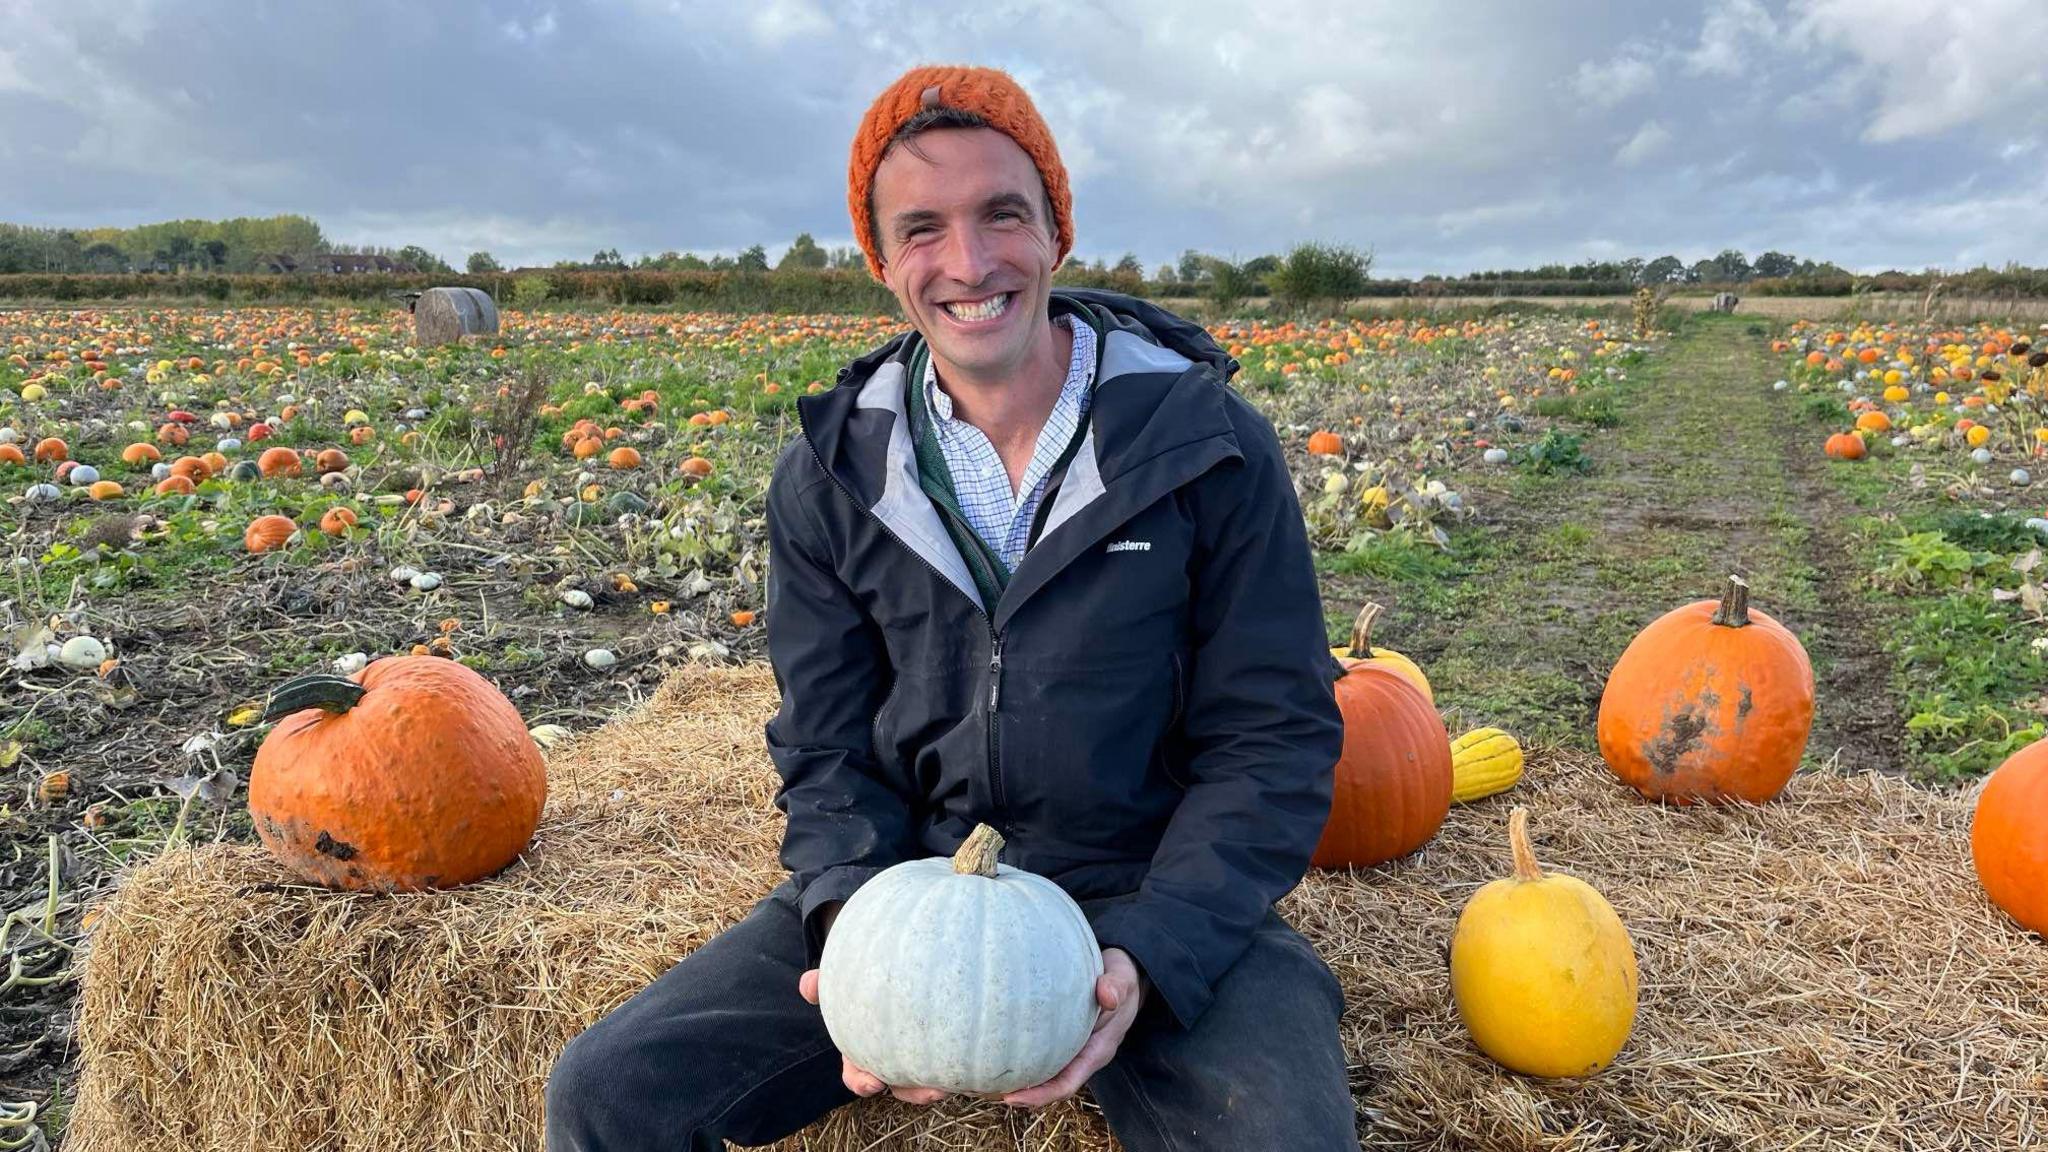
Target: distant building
<point x="333" y="264"/>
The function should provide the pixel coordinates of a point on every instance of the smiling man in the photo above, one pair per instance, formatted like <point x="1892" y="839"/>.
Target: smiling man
<point x="1033" y="564"/>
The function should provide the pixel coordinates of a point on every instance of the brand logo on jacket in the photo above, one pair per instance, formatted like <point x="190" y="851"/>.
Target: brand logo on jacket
<point x="1130" y="546"/>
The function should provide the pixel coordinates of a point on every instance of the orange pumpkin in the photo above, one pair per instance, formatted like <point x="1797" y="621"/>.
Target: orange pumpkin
<point x="51" y="450"/>
<point x="173" y="433"/>
<point x="103" y="490"/>
<point x="336" y="521"/>
<point x="414" y="773"/>
<point x="215" y="463"/>
<point x="1713" y="701"/>
<point x="623" y="457"/>
<point x="361" y="434"/>
<point x="1845" y="446"/>
<point x="695" y="466"/>
<point x="2009" y="836"/>
<point x="11" y="454"/>
<point x="1874" y="422"/>
<point x="268" y="533"/>
<point x="330" y="460"/>
<point x="193" y="468"/>
<point x="586" y="447"/>
<point x="176" y="484"/>
<point x="140" y="453"/>
<point x="278" y="462"/>
<point x="1393" y="786"/>
<point x="1325" y="444"/>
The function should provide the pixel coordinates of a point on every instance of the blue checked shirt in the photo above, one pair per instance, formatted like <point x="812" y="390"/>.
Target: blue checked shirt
<point x="999" y="515"/>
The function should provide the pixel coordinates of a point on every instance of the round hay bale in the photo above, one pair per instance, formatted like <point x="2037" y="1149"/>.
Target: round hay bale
<point x="1820" y="972"/>
<point x="446" y="315"/>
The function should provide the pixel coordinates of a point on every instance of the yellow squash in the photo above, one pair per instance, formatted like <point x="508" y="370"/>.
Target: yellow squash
<point x="1361" y="650"/>
<point x="1542" y="970"/>
<point x="1483" y="761"/>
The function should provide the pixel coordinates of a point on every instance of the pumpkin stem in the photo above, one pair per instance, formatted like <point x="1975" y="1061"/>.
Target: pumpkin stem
<point x="313" y="690"/>
<point x="1361" y="631"/>
<point x="1526" y="868"/>
<point x="977" y="854"/>
<point x="1734" y="609"/>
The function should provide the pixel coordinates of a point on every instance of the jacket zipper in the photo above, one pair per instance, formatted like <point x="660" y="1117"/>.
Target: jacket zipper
<point x="995" y="638"/>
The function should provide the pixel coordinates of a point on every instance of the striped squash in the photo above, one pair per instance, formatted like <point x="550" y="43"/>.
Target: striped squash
<point x="1483" y="761"/>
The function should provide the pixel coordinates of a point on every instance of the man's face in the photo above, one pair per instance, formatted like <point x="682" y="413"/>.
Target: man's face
<point x="966" y="246"/>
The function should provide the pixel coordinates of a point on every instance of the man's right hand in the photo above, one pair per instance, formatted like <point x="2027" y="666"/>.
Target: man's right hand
<point x="859" y="1080"/>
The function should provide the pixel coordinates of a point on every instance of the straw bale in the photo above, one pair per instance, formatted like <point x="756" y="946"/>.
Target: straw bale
<point x="1822" y="972"/>
<point x="446" y="315"/>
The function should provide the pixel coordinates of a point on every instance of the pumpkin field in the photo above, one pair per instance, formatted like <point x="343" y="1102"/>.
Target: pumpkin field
<point x="203" y="503"/>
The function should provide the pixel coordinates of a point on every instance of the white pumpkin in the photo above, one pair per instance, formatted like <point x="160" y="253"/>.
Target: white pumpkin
<point x="964" y="975"/>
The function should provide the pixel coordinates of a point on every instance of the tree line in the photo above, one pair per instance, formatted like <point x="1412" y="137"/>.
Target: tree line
<point x="1305" y="274"/>
<point x="240" y="245"/>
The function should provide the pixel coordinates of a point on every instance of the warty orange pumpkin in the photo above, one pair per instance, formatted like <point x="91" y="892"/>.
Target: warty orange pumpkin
<point x="414" y="773"/>
<point x="1393" y="786"/>
<point x="1713" y="701"/>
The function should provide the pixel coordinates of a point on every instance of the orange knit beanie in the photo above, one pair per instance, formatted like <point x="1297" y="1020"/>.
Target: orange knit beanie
<point x="986" y="92"/>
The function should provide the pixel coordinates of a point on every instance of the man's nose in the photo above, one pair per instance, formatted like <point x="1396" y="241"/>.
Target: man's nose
<point x="968" y="258"/>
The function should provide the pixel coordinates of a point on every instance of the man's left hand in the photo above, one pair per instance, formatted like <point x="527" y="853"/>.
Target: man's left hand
<point x="1120" y="994"/>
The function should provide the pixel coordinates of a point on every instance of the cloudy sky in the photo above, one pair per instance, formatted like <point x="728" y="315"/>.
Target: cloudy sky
<point x="1444" y="137"/>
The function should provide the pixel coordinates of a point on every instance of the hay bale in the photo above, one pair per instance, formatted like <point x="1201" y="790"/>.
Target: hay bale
<point x="1819" y="973"/>
<point x="446" y="315"/>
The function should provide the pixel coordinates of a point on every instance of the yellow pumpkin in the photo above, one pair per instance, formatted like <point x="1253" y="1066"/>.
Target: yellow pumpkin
<point x="1542" y="970"/>
<point x="1483" y="761"/>
<point x="1361" y="650"/>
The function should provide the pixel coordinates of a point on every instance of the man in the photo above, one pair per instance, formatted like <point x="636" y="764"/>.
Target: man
<point x="1033" y="564"/>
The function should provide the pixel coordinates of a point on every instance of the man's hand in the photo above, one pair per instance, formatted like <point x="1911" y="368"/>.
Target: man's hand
<point x="1120" y="994"/>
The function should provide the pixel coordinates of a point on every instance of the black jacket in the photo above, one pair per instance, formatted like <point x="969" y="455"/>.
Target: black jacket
<point x="1148" y="708"/>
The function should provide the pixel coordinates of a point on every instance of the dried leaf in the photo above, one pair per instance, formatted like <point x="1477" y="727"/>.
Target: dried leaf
<point x="244" y="716"/>
<point x="548" y="735"/>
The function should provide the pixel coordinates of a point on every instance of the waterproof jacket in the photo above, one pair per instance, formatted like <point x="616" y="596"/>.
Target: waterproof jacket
<point x="1146" y="711"/>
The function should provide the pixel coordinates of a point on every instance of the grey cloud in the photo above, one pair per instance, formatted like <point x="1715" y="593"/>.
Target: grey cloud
<point x="1444" y="137"/>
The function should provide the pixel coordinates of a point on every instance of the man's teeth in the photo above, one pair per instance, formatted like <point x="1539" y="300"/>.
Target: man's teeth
<point x="988" y="309"/>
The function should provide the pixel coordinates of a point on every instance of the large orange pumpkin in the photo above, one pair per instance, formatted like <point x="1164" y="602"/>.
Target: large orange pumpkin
<point x="414" y="773"/>
<point x="268" y="533"/>
<point x="1394" y="775"/>
<point x="1712" y="701"/>
<point x="2009" y="836"/>
<point x="279" y="462"/>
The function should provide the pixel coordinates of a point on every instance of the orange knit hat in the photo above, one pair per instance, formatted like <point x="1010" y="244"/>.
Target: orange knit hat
<point x="986" y="92"/>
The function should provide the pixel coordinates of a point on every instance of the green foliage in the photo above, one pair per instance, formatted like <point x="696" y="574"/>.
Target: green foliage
<point x="1925" y="560"/>
<point x="1319" y="276"/>
<point x="1556" y="452"/>
<point x="1981" y="531"/>
<point x="1824" y="408"/>
<point x="1965" y="660"/>
<point x="530" y="292"/>
<point x="1594" y="408"/>
<point x="1229" y="284"/>
<point x="1397" y="558"/>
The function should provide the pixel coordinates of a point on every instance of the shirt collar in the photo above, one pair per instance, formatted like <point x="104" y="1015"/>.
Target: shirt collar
<point x="1080" y="371"/>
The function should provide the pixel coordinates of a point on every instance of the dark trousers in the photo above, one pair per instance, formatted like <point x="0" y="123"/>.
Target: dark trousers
<point x="721" y="1047"/>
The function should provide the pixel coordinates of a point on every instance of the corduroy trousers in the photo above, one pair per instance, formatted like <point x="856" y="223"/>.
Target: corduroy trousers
<point x="722" y="1048"/>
